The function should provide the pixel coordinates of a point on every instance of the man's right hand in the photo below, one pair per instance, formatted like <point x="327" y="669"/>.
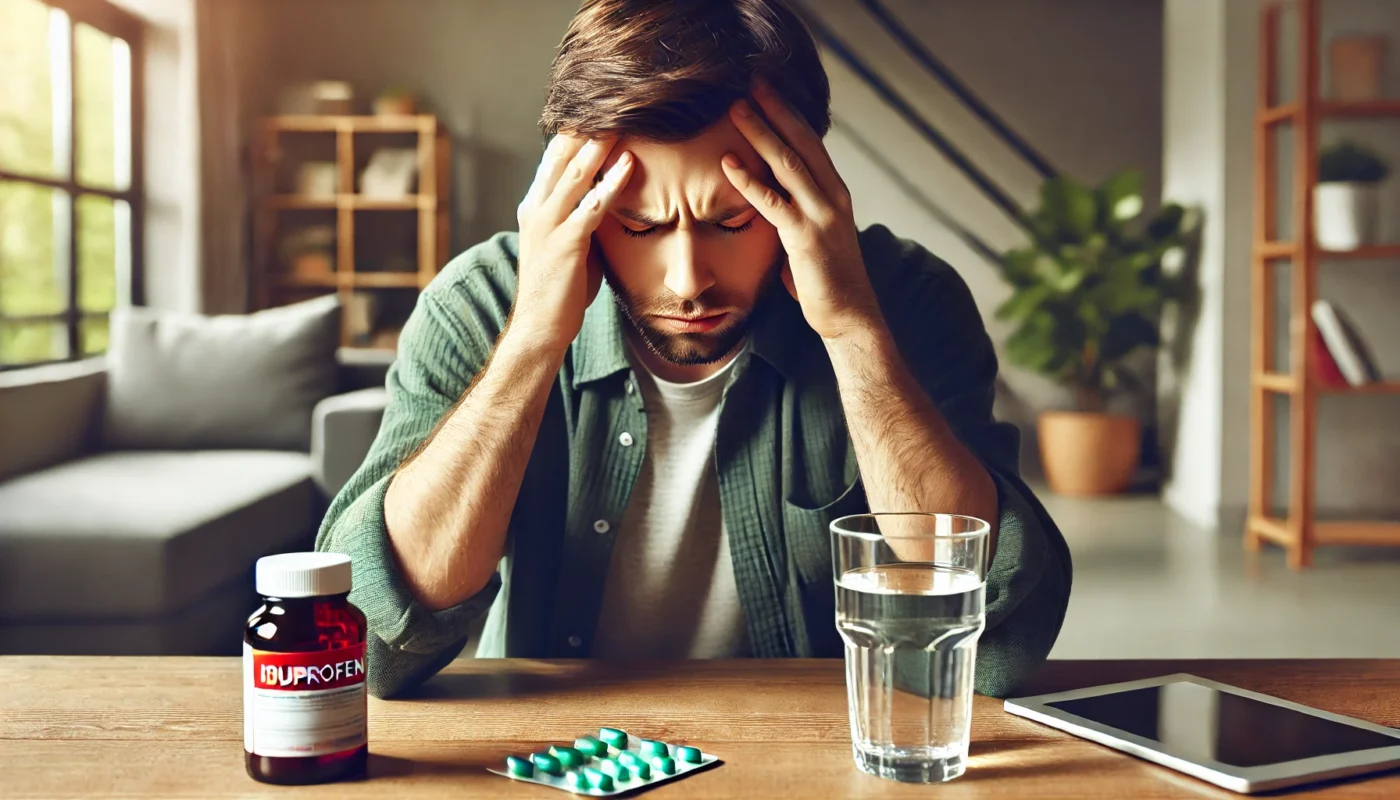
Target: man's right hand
<point x="558" y="278"/>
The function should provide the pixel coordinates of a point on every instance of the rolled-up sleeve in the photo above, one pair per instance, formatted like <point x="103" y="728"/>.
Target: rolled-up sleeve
<point x="944" y="341"/>
<point x="440" y="351"/>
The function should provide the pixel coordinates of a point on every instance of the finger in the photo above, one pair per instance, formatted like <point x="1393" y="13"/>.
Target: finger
<point x="787" y="165"/>
<point x="793" y="128"/>
<point x="562" y="148"/>
<point x="576" y="179"/>
<point x="765" y="198"/>
<point x="596" y="201"/>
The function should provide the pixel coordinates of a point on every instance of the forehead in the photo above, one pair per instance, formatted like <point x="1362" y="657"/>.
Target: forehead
<point x="666" y="172"/>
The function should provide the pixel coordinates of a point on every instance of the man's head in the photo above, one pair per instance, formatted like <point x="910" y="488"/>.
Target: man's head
<point x="686" y="255"/>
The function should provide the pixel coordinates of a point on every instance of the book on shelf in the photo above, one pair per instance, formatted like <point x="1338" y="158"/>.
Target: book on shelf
<point x="1324" y="366"/>
<point x="1345" y="345"/>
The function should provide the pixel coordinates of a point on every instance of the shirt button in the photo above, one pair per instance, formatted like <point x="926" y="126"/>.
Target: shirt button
<point x="626" y="439"/>
<point x="630" y="387"/>
<point x="601" y="526"/>
<point x="574" y="641"/>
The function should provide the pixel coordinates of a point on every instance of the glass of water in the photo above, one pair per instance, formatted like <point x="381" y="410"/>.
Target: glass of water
<point x="910" y="606"/>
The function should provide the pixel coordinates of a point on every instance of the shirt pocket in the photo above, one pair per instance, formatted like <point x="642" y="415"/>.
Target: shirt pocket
<point x="808" y="532"/>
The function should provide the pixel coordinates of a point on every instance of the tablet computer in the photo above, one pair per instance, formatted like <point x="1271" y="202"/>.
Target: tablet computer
<point x="1240" y="740"/>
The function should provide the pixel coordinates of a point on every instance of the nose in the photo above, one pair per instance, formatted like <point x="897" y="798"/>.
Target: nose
<point x="685" y="276"/>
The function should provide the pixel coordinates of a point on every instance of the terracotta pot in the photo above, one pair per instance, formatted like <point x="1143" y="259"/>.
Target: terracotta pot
<point x="1087" y="453"/>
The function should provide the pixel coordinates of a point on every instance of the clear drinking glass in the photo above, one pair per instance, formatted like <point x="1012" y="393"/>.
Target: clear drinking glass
<point x="910" y="606"/>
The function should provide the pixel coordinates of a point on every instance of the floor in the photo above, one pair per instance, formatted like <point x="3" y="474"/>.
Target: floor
<point x="1148" y="584"/>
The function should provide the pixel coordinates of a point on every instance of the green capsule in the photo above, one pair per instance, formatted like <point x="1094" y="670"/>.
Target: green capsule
<point x="547" y="763"/>
<point x="652" y="748"/>
<point x="614" y="736"/>
<point x="599" y="780"/>
<point x="519" y="767"/>
<point x="615" y="768"/>
<point x="664" y="764"/>
<point x="577" y="781"/>
<point x="642" y="771"/>
<point x="568" y="756"/>
<point x="591" y="747"/>
<point x="690" y="755"/>
<point x="630" y="758"/>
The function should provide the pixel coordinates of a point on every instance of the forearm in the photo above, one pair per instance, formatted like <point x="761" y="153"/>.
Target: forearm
<point x="910" y="458"/>
<point x="448" y="506"/>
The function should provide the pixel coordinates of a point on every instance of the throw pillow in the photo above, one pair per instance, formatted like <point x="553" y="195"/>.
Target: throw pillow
<point x="187" y="381"/>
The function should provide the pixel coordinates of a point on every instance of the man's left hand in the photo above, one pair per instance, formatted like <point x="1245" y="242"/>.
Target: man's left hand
<point x="825" y="271"/>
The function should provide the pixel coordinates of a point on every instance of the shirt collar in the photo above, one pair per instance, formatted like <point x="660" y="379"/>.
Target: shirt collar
<point x="779" y="336"/>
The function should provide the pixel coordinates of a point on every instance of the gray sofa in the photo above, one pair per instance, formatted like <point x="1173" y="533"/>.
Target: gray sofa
<point x="146" y="552"/>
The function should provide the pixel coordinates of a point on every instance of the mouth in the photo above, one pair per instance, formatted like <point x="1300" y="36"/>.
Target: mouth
<point x="702" y="324"/>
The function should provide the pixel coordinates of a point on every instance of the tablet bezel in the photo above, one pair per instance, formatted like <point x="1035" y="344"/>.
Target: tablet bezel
<point x="1239" y="779"/>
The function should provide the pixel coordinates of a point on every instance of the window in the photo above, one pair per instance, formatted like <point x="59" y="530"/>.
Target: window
<point x="70" y="176"/>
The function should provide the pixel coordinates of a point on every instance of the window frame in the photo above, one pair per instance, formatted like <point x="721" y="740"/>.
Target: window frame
<point x="120" y="24"/>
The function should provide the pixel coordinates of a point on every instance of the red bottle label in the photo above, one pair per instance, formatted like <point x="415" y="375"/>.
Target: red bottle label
<point x="304" y="704"/>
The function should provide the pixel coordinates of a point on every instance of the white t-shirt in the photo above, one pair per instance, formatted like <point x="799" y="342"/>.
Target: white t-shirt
<point x="670" y="590"/>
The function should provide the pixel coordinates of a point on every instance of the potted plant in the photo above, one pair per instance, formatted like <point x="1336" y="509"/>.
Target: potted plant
<point x="1346" y="203"/>
<point x="1087" y="293"/>
<point x="395" y="101"/>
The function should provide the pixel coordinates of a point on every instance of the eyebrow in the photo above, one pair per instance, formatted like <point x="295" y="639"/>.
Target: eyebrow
<point x="721" y="216"/>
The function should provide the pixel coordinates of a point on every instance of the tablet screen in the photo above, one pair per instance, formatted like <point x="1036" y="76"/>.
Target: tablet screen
<point x="1200" y="722"/>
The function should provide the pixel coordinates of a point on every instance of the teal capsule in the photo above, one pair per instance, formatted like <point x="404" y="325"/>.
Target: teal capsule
<point x="519" y="767"/>
<point x="651" y="748"/>
<point x="664" y="764"/>
<point x="598" y="780"/>
<point x="577" y="781"/>
<point x="630" y="758"/>
<point x="568" y="756"/>
<point x="547" y="763"/>
<point x="613" y="736"/>
<point x="690" y="755"/>
<point x="615" y="768"/>
<point x="641" y="769"/>
<point x="591" y="747"/>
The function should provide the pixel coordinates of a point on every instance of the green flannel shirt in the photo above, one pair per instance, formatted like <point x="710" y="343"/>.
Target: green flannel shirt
<point x="783" y="455"/>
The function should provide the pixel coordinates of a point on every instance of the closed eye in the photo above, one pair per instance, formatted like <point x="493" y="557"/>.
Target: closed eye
<point x="722" y="228"/>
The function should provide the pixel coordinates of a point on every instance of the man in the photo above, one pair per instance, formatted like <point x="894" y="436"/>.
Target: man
<point x="625" y="429"/>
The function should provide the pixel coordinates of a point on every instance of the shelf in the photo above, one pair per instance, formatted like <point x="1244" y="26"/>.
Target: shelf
<point x="1280" y="383"/>
<point x="1275" y="382"/>
<point x="1273" y="529"/>
<point x="1359" y="532"/>
<point x="311" y="123"/>
<point x="1368" y="251"/>
<point x="384" y="280"/>
<point x="351" y="201"/>
<point x="1277" y="114"/>
<point x="1275" y="250"/>
<point x="1354" y="109"/>
<point x="354" y="280"/>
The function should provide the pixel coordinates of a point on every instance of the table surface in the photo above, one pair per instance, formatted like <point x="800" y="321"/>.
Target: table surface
<point x="171" y="727"/>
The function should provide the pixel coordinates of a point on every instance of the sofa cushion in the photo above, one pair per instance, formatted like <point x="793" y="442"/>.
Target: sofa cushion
<point x="129" y="534"/>
<point x="186" y="381"/>
<point x="47" y="414"/>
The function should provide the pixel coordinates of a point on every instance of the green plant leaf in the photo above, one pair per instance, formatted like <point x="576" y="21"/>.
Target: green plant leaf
<point x="1069" y="206"/>
<point x="1121" y="195"/>
<point x="1022" y="302"/>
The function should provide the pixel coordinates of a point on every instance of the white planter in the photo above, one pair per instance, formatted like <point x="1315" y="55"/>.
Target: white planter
<point x="1346" y="215"/>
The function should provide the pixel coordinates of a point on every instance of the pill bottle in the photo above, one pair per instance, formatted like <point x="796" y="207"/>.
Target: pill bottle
<point x="304" y="706"/>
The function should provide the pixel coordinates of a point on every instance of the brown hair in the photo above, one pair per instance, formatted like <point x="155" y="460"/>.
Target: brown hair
<point x="665" y="70"/>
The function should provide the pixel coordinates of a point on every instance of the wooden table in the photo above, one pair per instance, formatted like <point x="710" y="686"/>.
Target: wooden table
<point x="172" y="727"/>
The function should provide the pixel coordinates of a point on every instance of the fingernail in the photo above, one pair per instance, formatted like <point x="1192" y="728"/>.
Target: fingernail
<point x="742" y="109"/>
<point x="623" y="160"/>
<point x="730" y="161"/>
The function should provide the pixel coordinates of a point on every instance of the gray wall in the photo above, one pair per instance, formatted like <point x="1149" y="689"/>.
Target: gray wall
<point x="1080" y="78"/>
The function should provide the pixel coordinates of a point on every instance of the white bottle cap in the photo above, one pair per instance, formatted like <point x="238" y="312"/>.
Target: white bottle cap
<point x="303" y="574"/>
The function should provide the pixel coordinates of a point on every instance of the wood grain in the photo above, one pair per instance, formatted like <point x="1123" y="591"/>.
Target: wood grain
<point x="172" y="728"/>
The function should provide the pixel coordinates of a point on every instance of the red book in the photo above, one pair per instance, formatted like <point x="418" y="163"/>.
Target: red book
<point x="1324" y="365"/>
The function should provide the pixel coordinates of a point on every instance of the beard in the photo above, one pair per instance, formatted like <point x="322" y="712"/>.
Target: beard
<point x="690" y="349"/>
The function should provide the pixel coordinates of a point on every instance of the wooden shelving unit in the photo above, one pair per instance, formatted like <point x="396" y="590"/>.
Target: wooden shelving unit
<point x="1298" y="530"/>
<point x="350" y="138"/>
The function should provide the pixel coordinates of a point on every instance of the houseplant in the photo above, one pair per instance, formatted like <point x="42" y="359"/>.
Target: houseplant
<point x="1346" y="203"/>
<point x="1087" y="293"/>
